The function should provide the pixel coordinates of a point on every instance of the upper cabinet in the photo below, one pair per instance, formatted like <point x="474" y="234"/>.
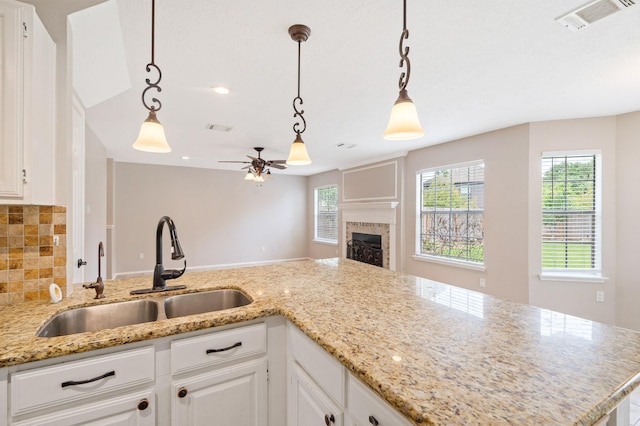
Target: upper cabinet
<point x="27" y="107"/>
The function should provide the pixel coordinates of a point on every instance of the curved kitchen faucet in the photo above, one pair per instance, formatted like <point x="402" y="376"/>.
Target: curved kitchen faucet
<point x="98" y="285"/>
<point x="160" y="275"/>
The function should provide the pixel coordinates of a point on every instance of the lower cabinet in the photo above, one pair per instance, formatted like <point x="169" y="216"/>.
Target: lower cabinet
<point x="220" y="387"/>
<point x="135" y="409"/>
<point x="212" y="378"/>
<point x="311" y="406"/>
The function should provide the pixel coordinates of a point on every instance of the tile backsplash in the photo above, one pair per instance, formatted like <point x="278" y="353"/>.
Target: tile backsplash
<point x="29" y="259"/>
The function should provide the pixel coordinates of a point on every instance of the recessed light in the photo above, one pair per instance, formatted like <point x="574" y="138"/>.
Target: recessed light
<point x="221" y="90"/>
<point x="185" y="157"/>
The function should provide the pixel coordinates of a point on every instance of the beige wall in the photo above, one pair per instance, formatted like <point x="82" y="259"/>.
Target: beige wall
<point x="221" y="219"/>
<point x="627" y="220"/>
<point x="575" y="298"/>
<point x="95" y="198"/>
<point x="505" y="155"/>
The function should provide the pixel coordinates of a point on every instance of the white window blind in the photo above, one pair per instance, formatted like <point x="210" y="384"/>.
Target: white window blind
<point x="326" y="214"/>
<point x="451" y="213"/>
<point x="571" y="213"/>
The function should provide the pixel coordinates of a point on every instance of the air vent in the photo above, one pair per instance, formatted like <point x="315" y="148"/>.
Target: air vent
<point x="346" y="145"/>
<point x="592" y="12"/>
<point x="219" y="127"/>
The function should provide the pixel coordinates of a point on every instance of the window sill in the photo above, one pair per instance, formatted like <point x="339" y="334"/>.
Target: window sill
<point x="575" y="277"/>
<point x="327" y="242"/>
<point x="448" y="262"/>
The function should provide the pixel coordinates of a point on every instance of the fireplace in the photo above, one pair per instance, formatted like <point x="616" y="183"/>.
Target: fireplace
<point x="366" y="248"/>
<point x="375" y="218"/>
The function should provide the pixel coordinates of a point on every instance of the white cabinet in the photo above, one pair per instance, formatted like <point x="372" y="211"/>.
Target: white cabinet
<point x="109" y="389"/>
<point x="316" y="393"/>
<point x="367" y="409"/>
<point x="27" y="107"/>
<point x="309" y="404"/>
<point x="221" y="378"/>
<point x="228" y="396"/>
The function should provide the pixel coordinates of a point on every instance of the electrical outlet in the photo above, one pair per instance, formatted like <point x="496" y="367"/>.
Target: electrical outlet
<point x="56" y="240"/>
<point x="599" y="296"/>
<point x="483" y="283"/>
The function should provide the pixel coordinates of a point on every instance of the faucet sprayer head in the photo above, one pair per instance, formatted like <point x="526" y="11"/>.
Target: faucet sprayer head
<point x="176" y="250"/>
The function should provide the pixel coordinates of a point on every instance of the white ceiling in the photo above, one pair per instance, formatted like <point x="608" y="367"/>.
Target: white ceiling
<point x="476" y="66"/>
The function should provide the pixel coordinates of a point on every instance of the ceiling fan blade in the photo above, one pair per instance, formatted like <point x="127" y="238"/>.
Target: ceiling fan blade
<point x="243" y="162"/>
<point x="278" y="166"/>
<point x="277" y="161"/>
<point x="253" y="158"/>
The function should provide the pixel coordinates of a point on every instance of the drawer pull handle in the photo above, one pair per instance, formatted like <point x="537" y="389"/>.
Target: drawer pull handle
<point x="182" y="392"/>
<point x="143" y="404"/>
<point x="373" y="421"/>
<point x="329" y="419"/>
<point x="235" y="345"/>
<point x="82" y="382"/>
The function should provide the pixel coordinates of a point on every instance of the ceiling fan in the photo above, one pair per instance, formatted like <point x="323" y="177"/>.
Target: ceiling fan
<point x="258" y="167"/>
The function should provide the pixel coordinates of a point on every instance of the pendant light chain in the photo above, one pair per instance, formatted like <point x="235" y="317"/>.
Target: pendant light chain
<point x="404" y="51"/>
<point x="156" y="104"/>
<point x="299" y="112"/>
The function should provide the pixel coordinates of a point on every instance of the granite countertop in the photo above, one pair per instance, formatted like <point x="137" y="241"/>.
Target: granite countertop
<point x="438" y="353"/>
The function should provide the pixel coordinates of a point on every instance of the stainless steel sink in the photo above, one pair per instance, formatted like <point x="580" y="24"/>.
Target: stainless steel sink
<point x="100" y="317"/>
<point x="208" y="301"/>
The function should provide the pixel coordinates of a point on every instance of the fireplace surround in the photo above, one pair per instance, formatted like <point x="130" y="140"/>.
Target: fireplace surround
<point x="377" y="218"/>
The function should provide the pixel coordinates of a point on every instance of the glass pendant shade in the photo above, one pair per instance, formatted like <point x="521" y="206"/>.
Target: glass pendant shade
<point x="151" y="137"/>
<point x="298" y="155"/>
<point x="248" y="176"/>
<point x="404" y="123"/>
<point x="258" y="178"/>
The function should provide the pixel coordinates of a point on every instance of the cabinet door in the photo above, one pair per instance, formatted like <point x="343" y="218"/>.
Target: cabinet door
<point x="135" y="409"/>
<point x="235" y="395"/>
<point x="11" y="100"/>
<point x="367" y="409"/>
<point x="310" y="405"/>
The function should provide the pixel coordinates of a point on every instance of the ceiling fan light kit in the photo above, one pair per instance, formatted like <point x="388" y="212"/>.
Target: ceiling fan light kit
<point x="298" y="155"/>
<point x="404" y="123"/>
<point x="258" y="168"/>
<point x="151" y="137"/>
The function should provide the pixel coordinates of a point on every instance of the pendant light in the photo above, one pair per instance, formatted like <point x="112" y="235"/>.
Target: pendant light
<point x="298" y="155"/>
<point x="404" y="123"/>
<point x="151" y="137"/>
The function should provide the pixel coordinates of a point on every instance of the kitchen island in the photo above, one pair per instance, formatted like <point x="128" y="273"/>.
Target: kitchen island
<point x="437" y="353"/>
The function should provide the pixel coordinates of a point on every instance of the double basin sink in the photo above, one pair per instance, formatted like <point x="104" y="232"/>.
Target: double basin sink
<point x="112" y="315"/>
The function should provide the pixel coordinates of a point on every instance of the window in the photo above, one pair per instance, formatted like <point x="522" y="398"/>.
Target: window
<point x="451" y="213"/>
<point x="571" y="214"/>
<point x="326" y="214"/>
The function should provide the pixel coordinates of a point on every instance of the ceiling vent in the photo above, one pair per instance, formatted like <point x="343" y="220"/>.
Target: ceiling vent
<point x="219" y="127"/>
<point x="592" y="12"/>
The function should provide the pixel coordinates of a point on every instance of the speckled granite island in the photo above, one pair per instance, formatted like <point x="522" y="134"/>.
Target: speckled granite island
<point x="438" y="354"/>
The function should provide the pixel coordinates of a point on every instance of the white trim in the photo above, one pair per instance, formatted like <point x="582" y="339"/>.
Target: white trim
<point x="395" y="182"/>
<point x="133" y="274"/>
<point x="449" y="262"/>
<point x="378" y="212"/>
<point x="575" y="277"/>
<point x="326" y="242"/>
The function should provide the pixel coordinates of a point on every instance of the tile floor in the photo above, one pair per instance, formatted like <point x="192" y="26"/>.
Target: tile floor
<point x="635" y="408"/>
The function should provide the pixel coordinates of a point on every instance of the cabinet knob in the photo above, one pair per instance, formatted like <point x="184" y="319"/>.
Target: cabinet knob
<point x="373" y="421"/>
<point x="329" y="419"/>
<point x="143" y="404"/>
<point x="182" y="392"/>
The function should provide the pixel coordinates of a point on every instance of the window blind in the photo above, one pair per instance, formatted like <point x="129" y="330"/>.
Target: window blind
<point x="570" y="213"/>
<point x="326" y="214"/>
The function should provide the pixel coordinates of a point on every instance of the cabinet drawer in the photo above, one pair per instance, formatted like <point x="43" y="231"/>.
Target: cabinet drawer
<point x="325" y="370"/>
<point x="217" y="348"/>
<point x="43" y="387"/>
<point x="366" y="408"/>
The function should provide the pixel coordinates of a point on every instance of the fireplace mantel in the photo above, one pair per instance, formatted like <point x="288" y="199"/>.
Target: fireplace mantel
<point x="375" y="213"/>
